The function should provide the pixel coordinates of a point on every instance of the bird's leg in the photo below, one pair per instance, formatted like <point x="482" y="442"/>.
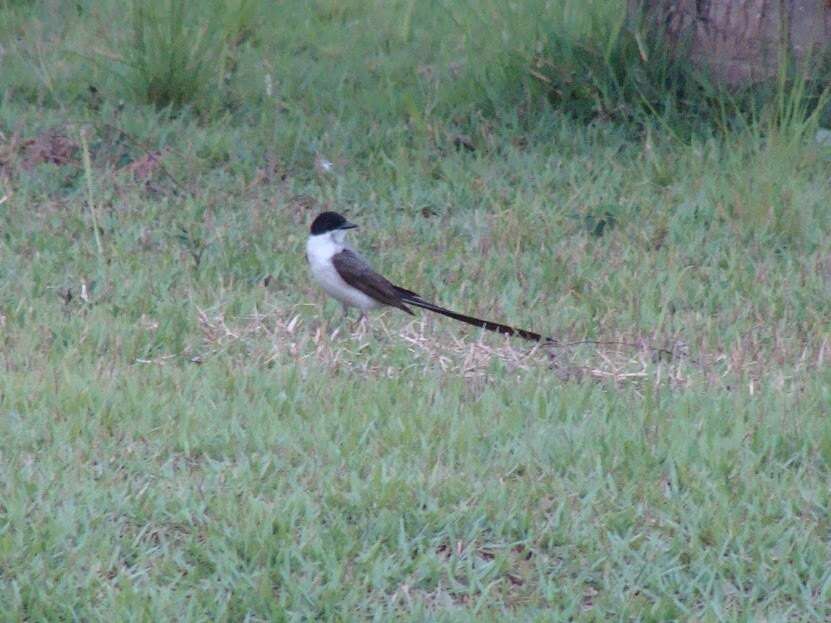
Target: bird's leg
<point x="338" y="324"/>
<point x="360" y="321"/>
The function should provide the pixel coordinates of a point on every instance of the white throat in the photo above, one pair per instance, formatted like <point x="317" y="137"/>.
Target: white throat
<point x="321" y="247"/>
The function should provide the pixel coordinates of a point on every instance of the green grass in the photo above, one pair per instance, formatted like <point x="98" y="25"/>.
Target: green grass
<point x="187" y="432"/>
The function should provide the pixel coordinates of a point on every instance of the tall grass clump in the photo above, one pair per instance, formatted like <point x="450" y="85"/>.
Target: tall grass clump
<point x="179" y="52"/>
<point x="598" y="66"/>
<point x="593" y="61"/>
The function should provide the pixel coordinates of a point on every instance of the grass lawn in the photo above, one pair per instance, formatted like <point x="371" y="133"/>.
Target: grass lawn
<point x="189" y="432"/>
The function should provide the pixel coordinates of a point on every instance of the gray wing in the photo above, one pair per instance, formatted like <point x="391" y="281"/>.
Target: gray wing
<point x="354" y="270"/>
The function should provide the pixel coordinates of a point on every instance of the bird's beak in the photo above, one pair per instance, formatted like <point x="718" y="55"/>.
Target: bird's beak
<point x="348" y="225"/>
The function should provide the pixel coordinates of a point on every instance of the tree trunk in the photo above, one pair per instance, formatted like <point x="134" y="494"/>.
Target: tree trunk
<point x="741" y="41"/>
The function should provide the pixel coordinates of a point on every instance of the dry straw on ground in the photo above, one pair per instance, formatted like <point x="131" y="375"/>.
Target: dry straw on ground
<point x="632" y="360"/>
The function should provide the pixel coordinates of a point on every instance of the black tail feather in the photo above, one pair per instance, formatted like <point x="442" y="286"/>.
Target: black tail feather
<point x="413" y="299"/>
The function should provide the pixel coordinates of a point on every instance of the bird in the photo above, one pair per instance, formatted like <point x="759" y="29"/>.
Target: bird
<point x="349" y="279"/>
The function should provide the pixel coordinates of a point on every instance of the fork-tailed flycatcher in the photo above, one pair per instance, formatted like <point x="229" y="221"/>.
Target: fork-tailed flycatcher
<point x="349" y="278"/>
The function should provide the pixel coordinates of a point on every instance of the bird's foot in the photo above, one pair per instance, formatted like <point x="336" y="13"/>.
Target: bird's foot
<point x="360" y="326"/>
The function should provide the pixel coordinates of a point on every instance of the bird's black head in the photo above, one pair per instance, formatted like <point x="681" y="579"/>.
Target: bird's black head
<point x="329" y="221"/>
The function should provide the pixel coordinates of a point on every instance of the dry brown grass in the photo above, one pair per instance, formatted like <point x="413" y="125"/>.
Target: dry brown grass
<point x="622" y="359"/>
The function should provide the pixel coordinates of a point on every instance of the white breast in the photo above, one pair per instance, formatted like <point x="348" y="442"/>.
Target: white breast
<point x="319" y="251"/>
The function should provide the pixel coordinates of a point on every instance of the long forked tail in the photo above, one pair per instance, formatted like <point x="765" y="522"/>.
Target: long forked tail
<point x="411" y="298"/>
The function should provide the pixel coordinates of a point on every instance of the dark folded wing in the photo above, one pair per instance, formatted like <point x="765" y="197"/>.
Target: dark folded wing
<point x="358" y="274"/>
